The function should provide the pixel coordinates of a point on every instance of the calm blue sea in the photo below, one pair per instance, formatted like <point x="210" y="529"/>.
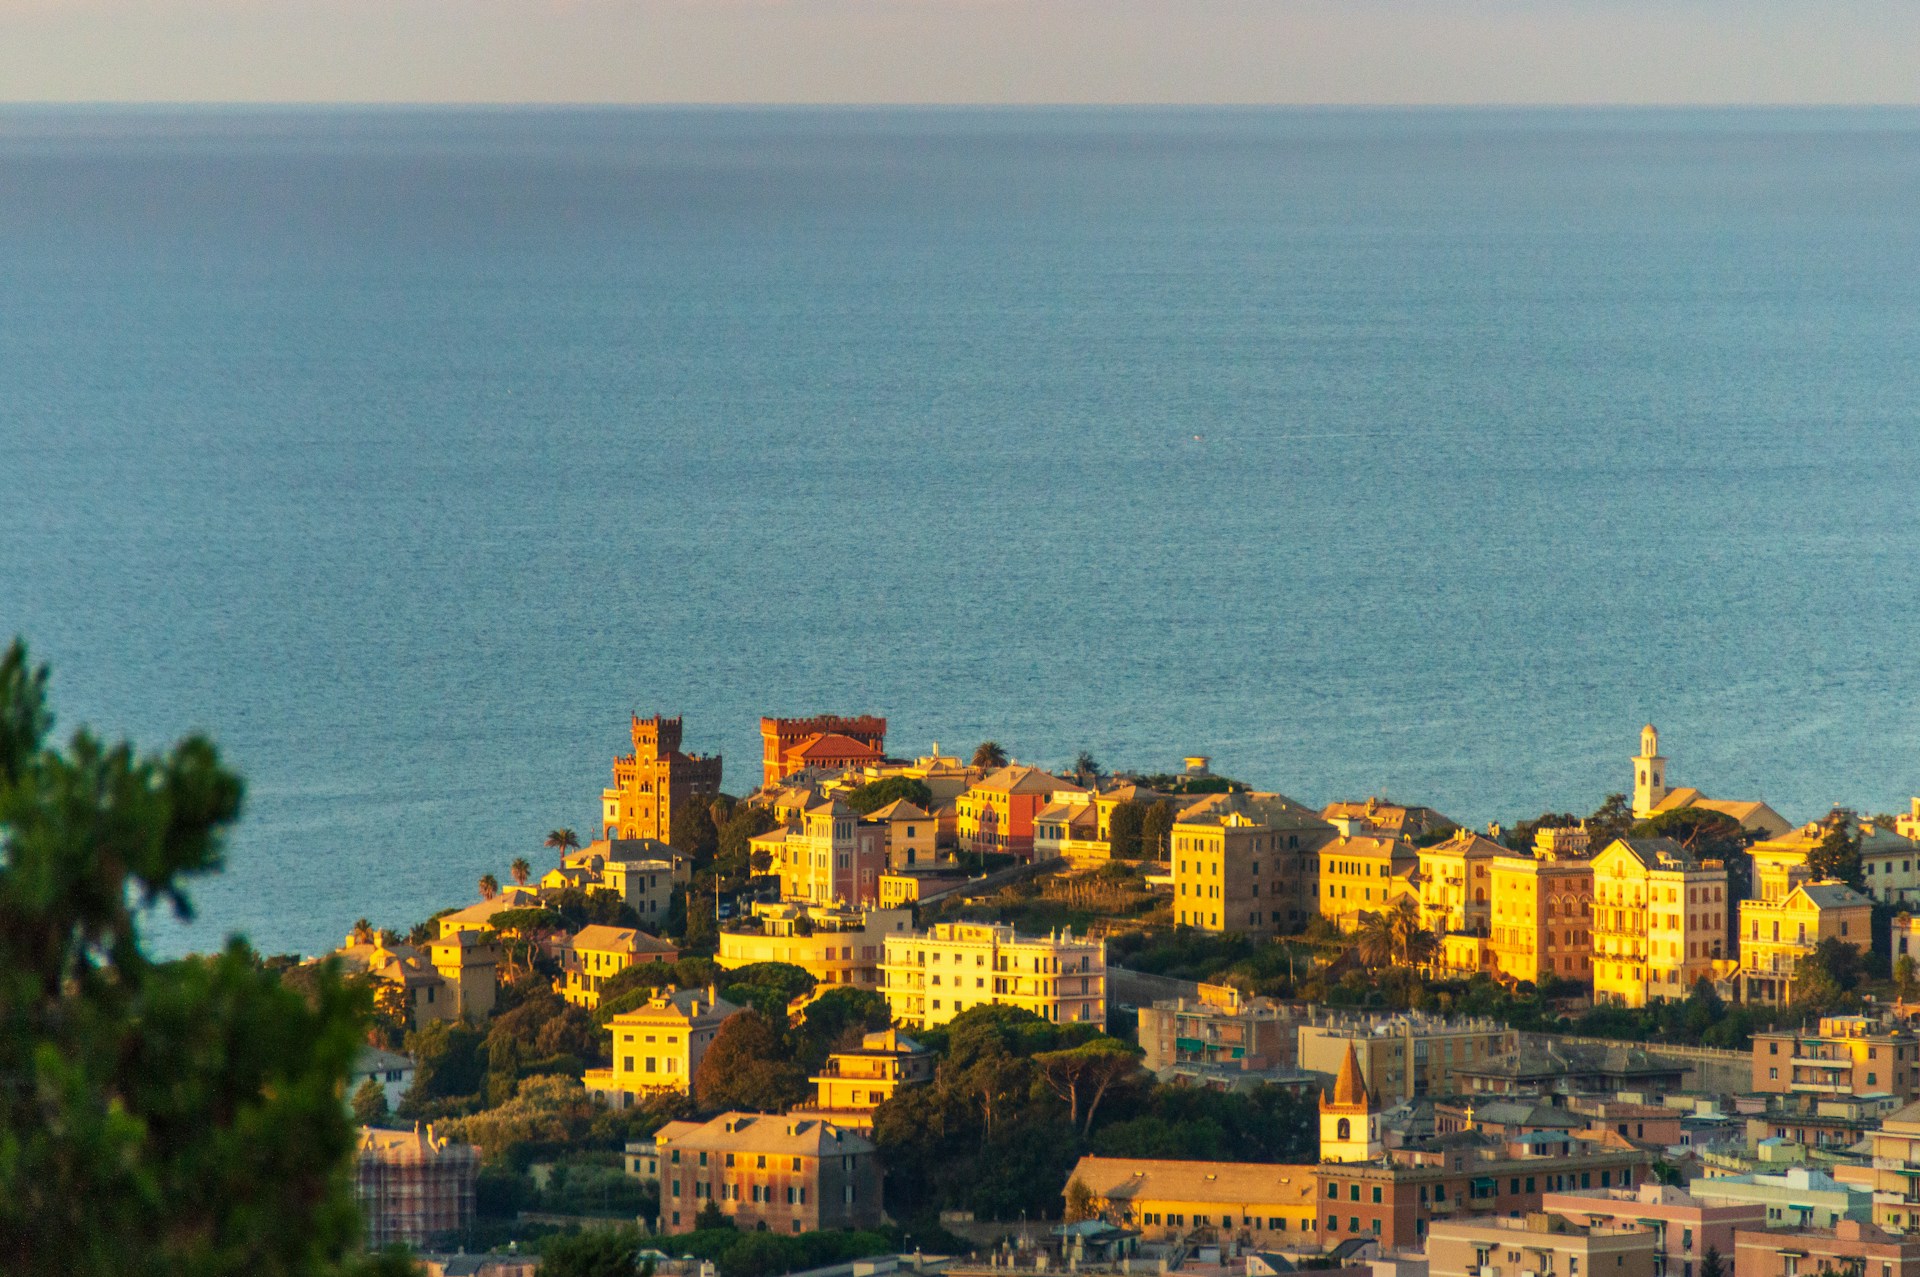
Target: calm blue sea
<point x="1427" y="453"/>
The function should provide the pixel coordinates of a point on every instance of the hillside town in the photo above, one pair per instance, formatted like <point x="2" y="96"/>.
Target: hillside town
<point x="965" y="1014"/>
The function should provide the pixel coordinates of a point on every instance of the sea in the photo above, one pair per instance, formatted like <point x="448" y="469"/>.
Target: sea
<point x="1425" y="454"/>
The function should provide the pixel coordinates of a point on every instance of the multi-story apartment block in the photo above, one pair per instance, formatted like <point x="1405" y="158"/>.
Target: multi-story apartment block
<point x="1659" y="921"/>
<point x="857" y="1081"/>
<point x="595" y="954"/>
<point x="1848" y="1247"/>
<point x="1777" y="932"/>
<point x="777" y="1174"/>
<point x="930" y="978"/>
<point x="1542" y="917"/>
<point x="826" y="741"/>
<point x="655" y="781"/>
<point x="1406" y="1056"/>
<point x="1222" y="1027"/>
<point x="641" y="872"/>
<point x="1456" y="883"/>
<point x="1399" y="1200"/>
<point x="1540" y="1243"/>
<point x="414" y="1188"/>
<point x="1684" y="1227"/>
<point x="834" y="944"/>
<point x="1247" y="863"/>
<point x="1896" y="1170"/>
<point x="1364" y="873"/>
<point x="834" y="856"/>
<point x="1889" y="860"/>
<point x="1799" y="1197"/>
<point x="1849" y="1055"/>
<point x="657" y="1048"/>
<point x="997" y="812"/>
<point x="1251" y="1203"/>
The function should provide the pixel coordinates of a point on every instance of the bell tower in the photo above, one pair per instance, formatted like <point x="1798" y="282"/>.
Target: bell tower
<point x="1349" y="1124"/>
<point x="1649" y="774"/>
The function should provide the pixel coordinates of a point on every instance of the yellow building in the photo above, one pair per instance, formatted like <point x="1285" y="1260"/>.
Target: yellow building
<point x="657" y="1048"/>
<point x="597" y="953"/>
<point x="856" y="1082"/>
<point x="479" y="917"/>
<point x="1896" y="1170"/>
<point x="1456" y="883"/>
<point x="1244" y="863"/>
<point x="1069" y="830"/>
<point x="912" y="834"/>
<point x="1889" y="861"/>
<point x="834" y="855"/>
<point x="1364" y="873"/>
<point x="646" y="885"/>
<point x="834" y="944"/>
<point x="1257" y="1203"/>
<point x="956" y="966"/>
<point x="1406" y="1056"/>
<point x="1776" y="934"/>
<point x="1541" y="923"/>
<point x="1659" y="921"/>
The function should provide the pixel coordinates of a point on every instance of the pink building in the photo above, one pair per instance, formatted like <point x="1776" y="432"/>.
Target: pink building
<point x="1684" y="1227"/>
<point x="1847" y="1247"/>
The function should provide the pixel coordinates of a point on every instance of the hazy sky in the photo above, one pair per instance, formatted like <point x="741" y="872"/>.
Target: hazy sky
<point x="1282" y="51"/>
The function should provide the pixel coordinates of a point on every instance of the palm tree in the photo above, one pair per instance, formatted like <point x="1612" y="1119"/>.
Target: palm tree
<point x="1086" y="769"/>
<point x="1374" y="939"/>
<point x="563" y="841"/>
<point x="520" y="870"/>
<point x="989" y="755"/>
<point x="363" y="932"/>
<point x="489" y="886"/>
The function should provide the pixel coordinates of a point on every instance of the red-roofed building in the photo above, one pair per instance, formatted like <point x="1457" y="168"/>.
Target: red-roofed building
<point x="828" y="741"/>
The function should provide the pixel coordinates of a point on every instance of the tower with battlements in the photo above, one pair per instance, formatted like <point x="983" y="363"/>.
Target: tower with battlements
<point x="782" y="741"/>
<point x="654" y="781"/>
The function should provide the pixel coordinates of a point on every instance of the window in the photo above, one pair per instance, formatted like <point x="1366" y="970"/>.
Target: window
<point x="1376" y="1194"/>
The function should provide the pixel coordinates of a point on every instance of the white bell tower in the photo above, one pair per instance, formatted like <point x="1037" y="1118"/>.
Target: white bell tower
<point x="1649" y="774"/>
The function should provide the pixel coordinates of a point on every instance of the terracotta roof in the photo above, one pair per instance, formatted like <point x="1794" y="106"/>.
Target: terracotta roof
<point x="617" y="940"/>
<point x="831" y="747"/>
<point x="900" y="809"/>
<point x="765" y="1133"/>
<point x="1349" y="1088"/>
<point x="1123" y="1179"/>
<point x="1026" y="780"/>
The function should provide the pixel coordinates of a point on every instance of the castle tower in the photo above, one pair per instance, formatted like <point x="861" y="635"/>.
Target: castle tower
<point x="1349" y="1124"/>
<point x="1649" y="774"/>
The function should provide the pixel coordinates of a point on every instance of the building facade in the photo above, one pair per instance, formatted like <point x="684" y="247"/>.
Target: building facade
<point x="1456" y="883"/>
<point x="1406" y="1056"/>
<point x="1777" y="934"/>
<point x="1361" y="873"/>
<point x="1222" y="1026"/>
<point x="1542" y="917"/>
<point x="777" y="1174"/>
<point x="834" y="944"/>
<point x="1848" y="1055"/>
<point x="855" y="1082"/>
<point x="1659" y="921"/>
<point x="1684" y="1227"/>
<point x="595" y="954"/>
<point x="654" y="781"/>
<point x="930" y="977"/>
<point x="1540" y="1243"/>
<point x="997" y="813"/>
<point x="834" y="856"/>
<point x="1255" y="1204"/>
<point x="1849" y="1247"/>
<point x="657" y="1048"/>
<point x="782" y="741"/>
<point x="414" y="1188"/>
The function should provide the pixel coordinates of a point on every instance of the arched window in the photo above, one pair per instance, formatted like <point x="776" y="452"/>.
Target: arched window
<point x="1344" y="1131"/>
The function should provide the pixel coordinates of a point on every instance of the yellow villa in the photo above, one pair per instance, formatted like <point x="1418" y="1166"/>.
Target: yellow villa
<point x="834" y="944"/>
<point x="930" y="978"/>
<point x="1542" y="918"/>
<point x="1776" y="934"/>
<point x="856" y="1082"/>
<point x="657" y="1048"/>
<point x="597" y="953"/>
<point x="1364" y="873"/>
<point x="1456" y="883"/>
<point x="912" y="834"/>
<point x="1260" y="1203"/>
<point x="1659" y="921"/>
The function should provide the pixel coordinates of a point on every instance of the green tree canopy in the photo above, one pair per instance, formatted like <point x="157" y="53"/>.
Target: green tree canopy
<point x="168" y="1118"/>
<point x="694" y="832"/>
<point x="875" y="794"/>
<point x="1124" y="825"/>
<point x="747" y="1066"/>
<point x="1709" y="834"/>
<point x="767" y="987"/>
<point x="1838" y="856"/>
<point x="1156" y="829"/>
